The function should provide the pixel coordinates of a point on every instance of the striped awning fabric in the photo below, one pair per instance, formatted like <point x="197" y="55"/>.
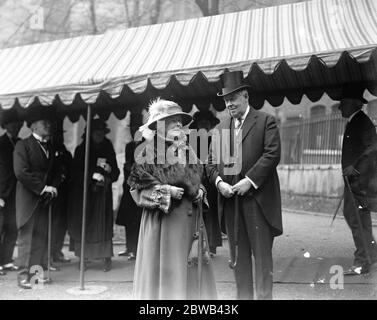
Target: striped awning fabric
<point x="285" y="51"/>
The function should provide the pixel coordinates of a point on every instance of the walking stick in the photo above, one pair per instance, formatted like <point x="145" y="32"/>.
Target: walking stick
<point x="233" y="263"/>
<point x="49" y="242"/>
<point x="200" y="247"/>
<point x="337" y="209"/>
<point x="365" y="243"/>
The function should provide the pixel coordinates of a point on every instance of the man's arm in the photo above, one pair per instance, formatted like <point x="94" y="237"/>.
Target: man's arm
<point x="23" y="171"/>
<point x="271" y="154"/>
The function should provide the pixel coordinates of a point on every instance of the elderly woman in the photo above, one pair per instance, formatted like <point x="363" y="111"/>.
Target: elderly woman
<point x="169" y="189"/>
<point x="103" y="171"/>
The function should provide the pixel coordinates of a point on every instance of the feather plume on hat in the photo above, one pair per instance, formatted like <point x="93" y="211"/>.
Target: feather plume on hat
<point x="160" y="110"/>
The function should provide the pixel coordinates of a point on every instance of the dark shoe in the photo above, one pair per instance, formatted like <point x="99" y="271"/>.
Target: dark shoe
<point x="2" y="272"/>
<point x="10" y="267"/>
<point x="52" y="268"/>
<point x="123" y="253"/>
<point x="356" y="270"/>
<point x="131" y="256"/>
<point x="24" y="284"/>
<point x="106" y="264"/>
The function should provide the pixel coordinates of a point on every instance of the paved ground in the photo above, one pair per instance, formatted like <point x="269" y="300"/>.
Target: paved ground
<point x="303" y="257"/>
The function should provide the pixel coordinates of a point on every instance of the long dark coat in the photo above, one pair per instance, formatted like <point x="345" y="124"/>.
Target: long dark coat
<point x="7" y="178"/>
<point x="99" y="229"/>
<point x="31" y="168"/>
<point x="260" y="156"/>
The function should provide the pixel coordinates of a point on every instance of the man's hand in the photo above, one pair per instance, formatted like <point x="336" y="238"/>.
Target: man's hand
<point x="98" y="177"/>
<point x="176" y="193"/>
<point x="51" y="190"/>
<point x="350" y="171"/>
<point x="2" y="203"/>
<point x="242" y="186"/>
<point x="225" y="189"/>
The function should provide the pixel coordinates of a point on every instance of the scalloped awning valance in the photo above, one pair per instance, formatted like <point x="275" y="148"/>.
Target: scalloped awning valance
<point x="284" y="51"/>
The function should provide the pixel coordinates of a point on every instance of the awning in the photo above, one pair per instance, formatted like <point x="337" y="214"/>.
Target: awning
<point x="285" y="51"/>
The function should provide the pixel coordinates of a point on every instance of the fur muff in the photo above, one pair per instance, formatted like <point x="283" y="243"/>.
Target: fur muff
<point x="186" y="176"/>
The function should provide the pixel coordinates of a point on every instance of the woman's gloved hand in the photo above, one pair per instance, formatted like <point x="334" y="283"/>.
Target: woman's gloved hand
<point x="199" y="196"/>
<point x="176" y="192"/>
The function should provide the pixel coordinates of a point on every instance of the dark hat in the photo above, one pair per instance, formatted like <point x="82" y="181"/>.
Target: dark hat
<point x="203" y="115"/>
<point x="9" y="116"/>
<point x="232" y="82"/>
<point x="352" y="91"/>
<point x="99" y="124"/>
<point x="37" y="113"/>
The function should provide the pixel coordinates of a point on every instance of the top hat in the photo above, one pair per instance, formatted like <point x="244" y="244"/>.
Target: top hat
<point x="9" y="116"/>
<point x="232" y="82"/>
<point x="39" y="112"/>
<point x="352" y="91"/>
<point x="204" y="115"/>
<point x="161" y="110"/>
<point x="99" y="124"/>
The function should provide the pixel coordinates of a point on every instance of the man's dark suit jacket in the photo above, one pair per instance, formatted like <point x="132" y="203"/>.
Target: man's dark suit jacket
<point x="31" y="168"/>
<point x="7" y="177"/>
<point x="260" y="157"/>
<point x="360" y="150"/>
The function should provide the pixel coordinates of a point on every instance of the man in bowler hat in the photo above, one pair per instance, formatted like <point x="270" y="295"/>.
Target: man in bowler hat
<point x="33" y="160"/>
<point x="12" y="123"/>
<point x="249" y="195"/>
<point x="359" y="145"/>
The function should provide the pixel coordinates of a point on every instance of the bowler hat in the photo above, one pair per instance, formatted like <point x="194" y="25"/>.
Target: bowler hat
<point x="9" y="116"/>
<point x="37" y="113"/>
<point x="204" y="115"/>
<point x="232" y="81"/>
<point x="161" y="109"/>
<point x="352" y="91"/>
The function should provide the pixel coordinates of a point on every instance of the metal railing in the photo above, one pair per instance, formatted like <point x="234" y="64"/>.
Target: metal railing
<point x="317" y="140"/>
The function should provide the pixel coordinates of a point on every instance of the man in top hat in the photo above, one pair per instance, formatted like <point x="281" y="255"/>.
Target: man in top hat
<point x="206" y="120"/>
<point x="33" y="160"/>
<point x="359" y="142"/>
<point x="248" y="185"/>
<point x="11" y="123"/>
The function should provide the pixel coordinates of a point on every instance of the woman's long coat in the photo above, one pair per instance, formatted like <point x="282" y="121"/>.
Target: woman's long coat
<point x="166" y="234"/>
<point x="99" y="228"/>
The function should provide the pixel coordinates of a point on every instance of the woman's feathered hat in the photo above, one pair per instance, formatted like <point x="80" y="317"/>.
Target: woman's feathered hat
<point x="161" y="109"/>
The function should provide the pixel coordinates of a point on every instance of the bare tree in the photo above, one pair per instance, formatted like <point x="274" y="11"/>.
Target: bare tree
<point x="208" y="7"/>
<point x="92" y="6"/>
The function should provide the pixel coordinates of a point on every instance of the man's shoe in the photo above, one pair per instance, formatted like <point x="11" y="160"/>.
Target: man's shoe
<point x="123" y="253"/>
<point x="356" y="270"/>
<point x="2" y="272"/>
<point x="10" y="267"/>
<point x="131" y="256"/>
<point x="24" y="284"/>
<point x="52" y="268"/>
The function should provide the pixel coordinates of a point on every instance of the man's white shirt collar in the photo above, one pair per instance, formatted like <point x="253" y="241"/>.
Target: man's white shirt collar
<point x="244" y="115"/>
<point x="38" y="137"/>
<point x="352" y="115"/>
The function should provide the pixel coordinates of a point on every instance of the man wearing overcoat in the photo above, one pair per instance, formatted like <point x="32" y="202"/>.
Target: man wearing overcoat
<point x="33" y="160"/>
<point x="248" y="184"/>
<point x="12" y="123"/>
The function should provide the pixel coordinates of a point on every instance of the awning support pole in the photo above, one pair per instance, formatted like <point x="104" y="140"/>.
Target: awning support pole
<point x="85" y="194"/>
